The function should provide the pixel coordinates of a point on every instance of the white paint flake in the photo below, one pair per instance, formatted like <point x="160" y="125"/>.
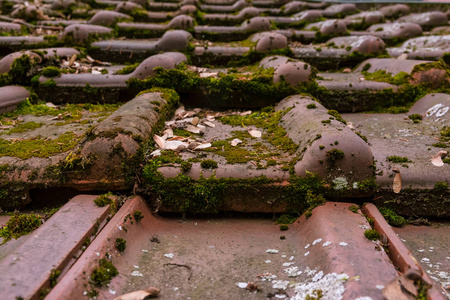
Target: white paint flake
<point x="307" y="253"/>
<point x="332" y="286"/>
<point x="317" y="241"/>
<point x="292" y="272"/>
<point x="280" y="284"/>
<point x="343" y="244"/>
<point x="137" y="274"/>
<point x="169" y="255"/>
<point x="242" y="285"/>
<point x="272" y="251"/>
<point x="327" y="243"/>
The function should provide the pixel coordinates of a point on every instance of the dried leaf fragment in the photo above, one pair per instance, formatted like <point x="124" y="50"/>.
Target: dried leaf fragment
<point x="150" y="292"/>
<point x="203" y="146"/>
<point x="397" y="185"/>
<point x="209" y="124"/>
<point x="235" y="142"/>
<point x="159" y="141"/>
<point x="195" y="121"/>
<point x="174" y="145"/>
<point x="437" y="159"/>
<point x="255" y="133"/>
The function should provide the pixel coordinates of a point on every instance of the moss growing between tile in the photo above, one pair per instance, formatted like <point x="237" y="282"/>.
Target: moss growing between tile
<point x="398" y="159"/>
<point x="121" y="245"/>
<point x="102" y="275"/>
<point x="19" y="225"/>
<point x="371" y="234"/>
<point x="392" y="217"/>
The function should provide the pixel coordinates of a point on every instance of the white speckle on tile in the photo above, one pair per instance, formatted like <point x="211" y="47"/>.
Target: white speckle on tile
<point x="175" y="289"/>
<point x="318" y="276"/>
<point x="327" y="243"/>
<point x="195" y="224"/>
<point x="112" y="292"/>
<point x="120" y="227"/>
<point x="169" y="255"/>
<point x="291" y="258"/>
<point x="97" y="253"/>
<point x="136" y="267"/>
<point x="420" y="250"/>
<point x="212" y="247"/>
<point x="365" y="227"/>
<point x="307" y="253"/>
<point x="280" y="296"/>
<point x="137" y="274"/>
<point x="364" y="298"/>
<point x="242" y="285"/>
<point x="283" y="256"/>
<point x="424" y="259"/>
<point x="268" y="261"/>
<point x="307" y="246"/>
<point x="287" y="264"/>
<point x="343" y="244"/>
<point x="143" y="250"/>
<point x="267" y="277"/>
<point x="380" y="287"/>
<point x="272" y="251"/>
<point x="317" y="241"/>
<point x="292" y="272"/>
<point x="280" y="284"/>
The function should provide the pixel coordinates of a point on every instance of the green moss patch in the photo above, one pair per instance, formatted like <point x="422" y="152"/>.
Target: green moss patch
<point x="372" y="235"/>
<point x="19" y="225"/>
<point x="102" y="275"/>
<point x="38" y="147"/>
<point x="392" y="217"/>
<point x="398" y="159"/>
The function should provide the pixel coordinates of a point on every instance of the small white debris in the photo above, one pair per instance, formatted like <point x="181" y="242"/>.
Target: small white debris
<point x="327" y="243"/>
<point x="307" y="246"/>
<point x="317" y="241"/>
<point x="203" y="146"/>
<point x="425" y="259"/>
<point x="431" y="247"/>
<point x="156" y="153"/>
<point x="287" y="264"/>
<point x="292" y="272"/>
<point x="448" y="257"/>
<point x="175" y="289"/>
<point x="318" y="276"/>
<point x="365" y="227"/>
<point x="272" y="251"/>
<point x="209" y="124"/>
<point x="291" y="258"/>
<point x="403" y="240"/>
<point x="267" y="261"/>
<point x="195" y="223"/>
<point x="380" y="287"/>
<point x="84" y="293"/>
<point x="310" y="272"/>
<point x="235" y="142"/>
<point x="280" y="284"/>
<point x="283" y="256"/>
<point x="169" y="255"/>
<point x="112" y="292"/>
<point x="267" y="277"/>
<point x="97" y="253"/>
<point x="212" y="247"/>
<point x="430" y="250"/>
<point x="143" y="250"/>
<point x="343" y="244"/>
<point x="420" y="250"/>
<point x="280" y="296"/>
<point x="364" y="298"/>
<point x="136" y="267"/>
<point x="307" y="253"/>
<point x="118" y="226"/>
<point x="137" y="274"/>
<point x="159" y="141"/>
<point x="331" y="285"/>
<point x="255" y="133"/>
<point x="242" y="285"/>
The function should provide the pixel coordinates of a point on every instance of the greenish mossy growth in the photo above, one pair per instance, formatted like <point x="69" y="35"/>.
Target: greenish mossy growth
<point x="368" y="185"/>
<point x="372" y="234"/>
<point x="121" y="244"/>
<point x="186" y="166"/>
<point x="445" y="133"/>
<point x="209" y="164"/>
<point x="398" y="159"/>
<point x="138" y="215"/>
<point x="416" y="118"/>
<point x="363" y="137"/>
<point x="287" y="219"/>
<point x="337" y="115"/>
<point x="19" y="225"/>
<point x="102" y="275"/>
<point x="446" y="160"/>
<point x="256" y="89"/>
<point x="54" y="274"/>
<point x="104" y="200"/>
<point x="366" y="67"/>
<point x="38" y="147"/>
<point x="354" y="208"/>
<point x="23" y="127"/>
<point x="128" y="69"/>
<point x="311" y="106"/>
<point x="268" y="120"/>
<point x="321" y="147"/>
<point x="370" y="221"/>
<point x="381" y="76"/>
<point x="20" y="72"/>
<point x="334" y="155"/>
<point x="440" y="145"/>
<point x="441" y="186"/>
<point x="284" y="227"/>
<point x="392" y="217"/>
<point x="51" y="72"/>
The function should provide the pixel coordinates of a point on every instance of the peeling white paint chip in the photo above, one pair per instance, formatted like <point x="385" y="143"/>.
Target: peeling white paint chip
<point x="112" y="292"/>
<point x="364" y="298"/>
<point x="145" y="251"/>
<point x="343" y="244"/>
<point x="272" y="251"/>
<point x="242" y="285"/>
<point x="268" y="261"/>
<point x="317" y="241"/>
<point x="425" y="259"/>
<point x="327" y="243"/>
<point x="380" y="287"/>
<point x="137" y="274"/>
<point x="307" y="253"/>
<point x="287" y="264"/>
<point x="307" y="246"/>
<point x="169" y="255"/>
